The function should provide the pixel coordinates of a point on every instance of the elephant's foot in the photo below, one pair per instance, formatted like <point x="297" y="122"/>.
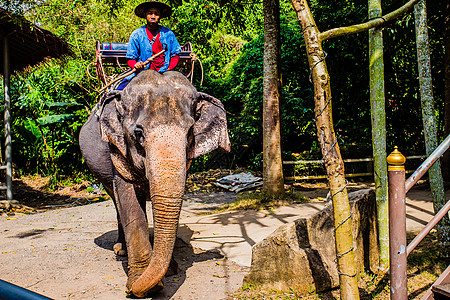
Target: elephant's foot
<point x="135" y="272"/>
<point x="120" y="249"/>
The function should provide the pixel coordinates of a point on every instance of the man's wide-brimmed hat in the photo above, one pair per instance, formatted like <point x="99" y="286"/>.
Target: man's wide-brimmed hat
<point x="142" y="8"/>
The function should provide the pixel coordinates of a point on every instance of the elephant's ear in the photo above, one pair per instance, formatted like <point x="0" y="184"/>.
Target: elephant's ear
<point x="210" y="127"/>
<point x="111" y="112"/>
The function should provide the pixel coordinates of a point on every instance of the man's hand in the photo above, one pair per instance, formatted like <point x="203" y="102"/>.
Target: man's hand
<point x="139" y="65"/>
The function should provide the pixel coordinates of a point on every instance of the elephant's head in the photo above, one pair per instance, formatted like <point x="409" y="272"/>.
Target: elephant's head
<point x="156" y="125"/>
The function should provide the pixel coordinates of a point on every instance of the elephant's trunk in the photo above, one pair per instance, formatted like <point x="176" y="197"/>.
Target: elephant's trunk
<point x="166" y="170"/>
<point x="165" y="234"/>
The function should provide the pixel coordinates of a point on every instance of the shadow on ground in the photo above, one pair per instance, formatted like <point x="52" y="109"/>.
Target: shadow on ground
<point x="184" y="257"/>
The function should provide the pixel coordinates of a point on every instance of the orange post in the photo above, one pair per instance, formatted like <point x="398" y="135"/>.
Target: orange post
<point x="397" y="225"/>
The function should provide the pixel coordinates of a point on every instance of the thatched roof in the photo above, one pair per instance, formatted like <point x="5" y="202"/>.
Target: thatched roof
<point x="28" y="43"/>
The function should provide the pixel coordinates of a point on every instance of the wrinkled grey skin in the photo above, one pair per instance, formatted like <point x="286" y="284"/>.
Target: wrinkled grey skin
<point x="139" y="148"/>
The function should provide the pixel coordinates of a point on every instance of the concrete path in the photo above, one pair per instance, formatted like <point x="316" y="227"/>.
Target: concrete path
<point x="234" y="233"/>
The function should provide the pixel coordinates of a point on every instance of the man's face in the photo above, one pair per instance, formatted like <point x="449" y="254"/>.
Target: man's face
<point x="153" y="15"/>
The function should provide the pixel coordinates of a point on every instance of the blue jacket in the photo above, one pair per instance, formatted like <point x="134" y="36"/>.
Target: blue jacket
<point x="140" y="48"/>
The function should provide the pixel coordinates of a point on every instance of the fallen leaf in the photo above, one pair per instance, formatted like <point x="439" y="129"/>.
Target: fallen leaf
<point x="11" y="218"/>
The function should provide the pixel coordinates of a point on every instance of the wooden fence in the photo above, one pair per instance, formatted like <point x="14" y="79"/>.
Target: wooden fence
<point x="346" y="161"/>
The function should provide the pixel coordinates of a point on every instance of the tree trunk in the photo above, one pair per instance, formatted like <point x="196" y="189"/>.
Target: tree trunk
<point x="273" y="182"/>
<point x="331" y="153"/>
<point x="428" y="116"/>
<point x="446" y="157"/>
<point x="377" y="104"/>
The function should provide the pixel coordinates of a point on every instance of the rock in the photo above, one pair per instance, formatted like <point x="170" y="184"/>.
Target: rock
<point x="301" y="255"/>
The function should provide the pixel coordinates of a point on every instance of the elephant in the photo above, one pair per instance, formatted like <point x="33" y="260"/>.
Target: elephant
<point x="139" y="144"/>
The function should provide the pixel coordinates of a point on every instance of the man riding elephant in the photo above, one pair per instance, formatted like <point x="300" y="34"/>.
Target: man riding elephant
<point x="151" y="39"/>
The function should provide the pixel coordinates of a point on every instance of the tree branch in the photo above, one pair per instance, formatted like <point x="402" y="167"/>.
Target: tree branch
<point x="336" y="32"/>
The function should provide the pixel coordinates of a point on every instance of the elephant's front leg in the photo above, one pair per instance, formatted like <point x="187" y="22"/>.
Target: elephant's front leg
<point x="131" y="207"/>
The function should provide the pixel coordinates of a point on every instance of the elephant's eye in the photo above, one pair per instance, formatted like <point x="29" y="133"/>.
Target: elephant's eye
<point x="139" y="134"/>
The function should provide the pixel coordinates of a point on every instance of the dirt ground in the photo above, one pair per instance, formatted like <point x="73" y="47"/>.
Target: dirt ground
<point x="64" y="251"/>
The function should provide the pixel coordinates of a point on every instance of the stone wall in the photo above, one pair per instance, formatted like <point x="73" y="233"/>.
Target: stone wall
<point x="301" y="255"/>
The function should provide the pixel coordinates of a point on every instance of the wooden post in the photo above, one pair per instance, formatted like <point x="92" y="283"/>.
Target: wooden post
<point x="397" y="225"/>
<point x="8" y="140"/>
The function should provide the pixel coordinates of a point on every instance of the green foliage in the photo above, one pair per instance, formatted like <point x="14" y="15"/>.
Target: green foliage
<point x="217" y="31"/>
<point x="47" y="115"/>
<point x="241" y="91"/>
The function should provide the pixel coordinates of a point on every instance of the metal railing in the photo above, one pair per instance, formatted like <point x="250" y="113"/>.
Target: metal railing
<point x="398" y="187"/>
<point x="9" y="291"/>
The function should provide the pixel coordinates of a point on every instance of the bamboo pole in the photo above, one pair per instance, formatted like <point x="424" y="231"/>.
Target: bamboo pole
<point x="332" y="158"/>
<point x="336" y="32"/>
<point x="378" y="113"/>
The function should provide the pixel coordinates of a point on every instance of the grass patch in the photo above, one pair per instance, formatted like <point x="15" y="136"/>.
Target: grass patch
<point x="259" y="200"/>
<point x="254" y="292"/>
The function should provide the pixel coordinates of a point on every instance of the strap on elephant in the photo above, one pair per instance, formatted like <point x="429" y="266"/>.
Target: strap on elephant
<point x="106" y="98"/>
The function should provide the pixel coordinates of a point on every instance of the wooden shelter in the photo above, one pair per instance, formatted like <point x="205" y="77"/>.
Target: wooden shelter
<point x="23" y="44"/>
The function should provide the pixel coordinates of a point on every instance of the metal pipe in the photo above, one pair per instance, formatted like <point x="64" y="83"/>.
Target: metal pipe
<point x="427" y="164"/>
<point x="8" y="140"/>
<point x="428" y="228"/>
<point x="9" y="291"/>
<point x="397" y="225"/>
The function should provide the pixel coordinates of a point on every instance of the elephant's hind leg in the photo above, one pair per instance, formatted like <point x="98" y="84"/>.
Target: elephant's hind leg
<point x="97" y="157"/>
